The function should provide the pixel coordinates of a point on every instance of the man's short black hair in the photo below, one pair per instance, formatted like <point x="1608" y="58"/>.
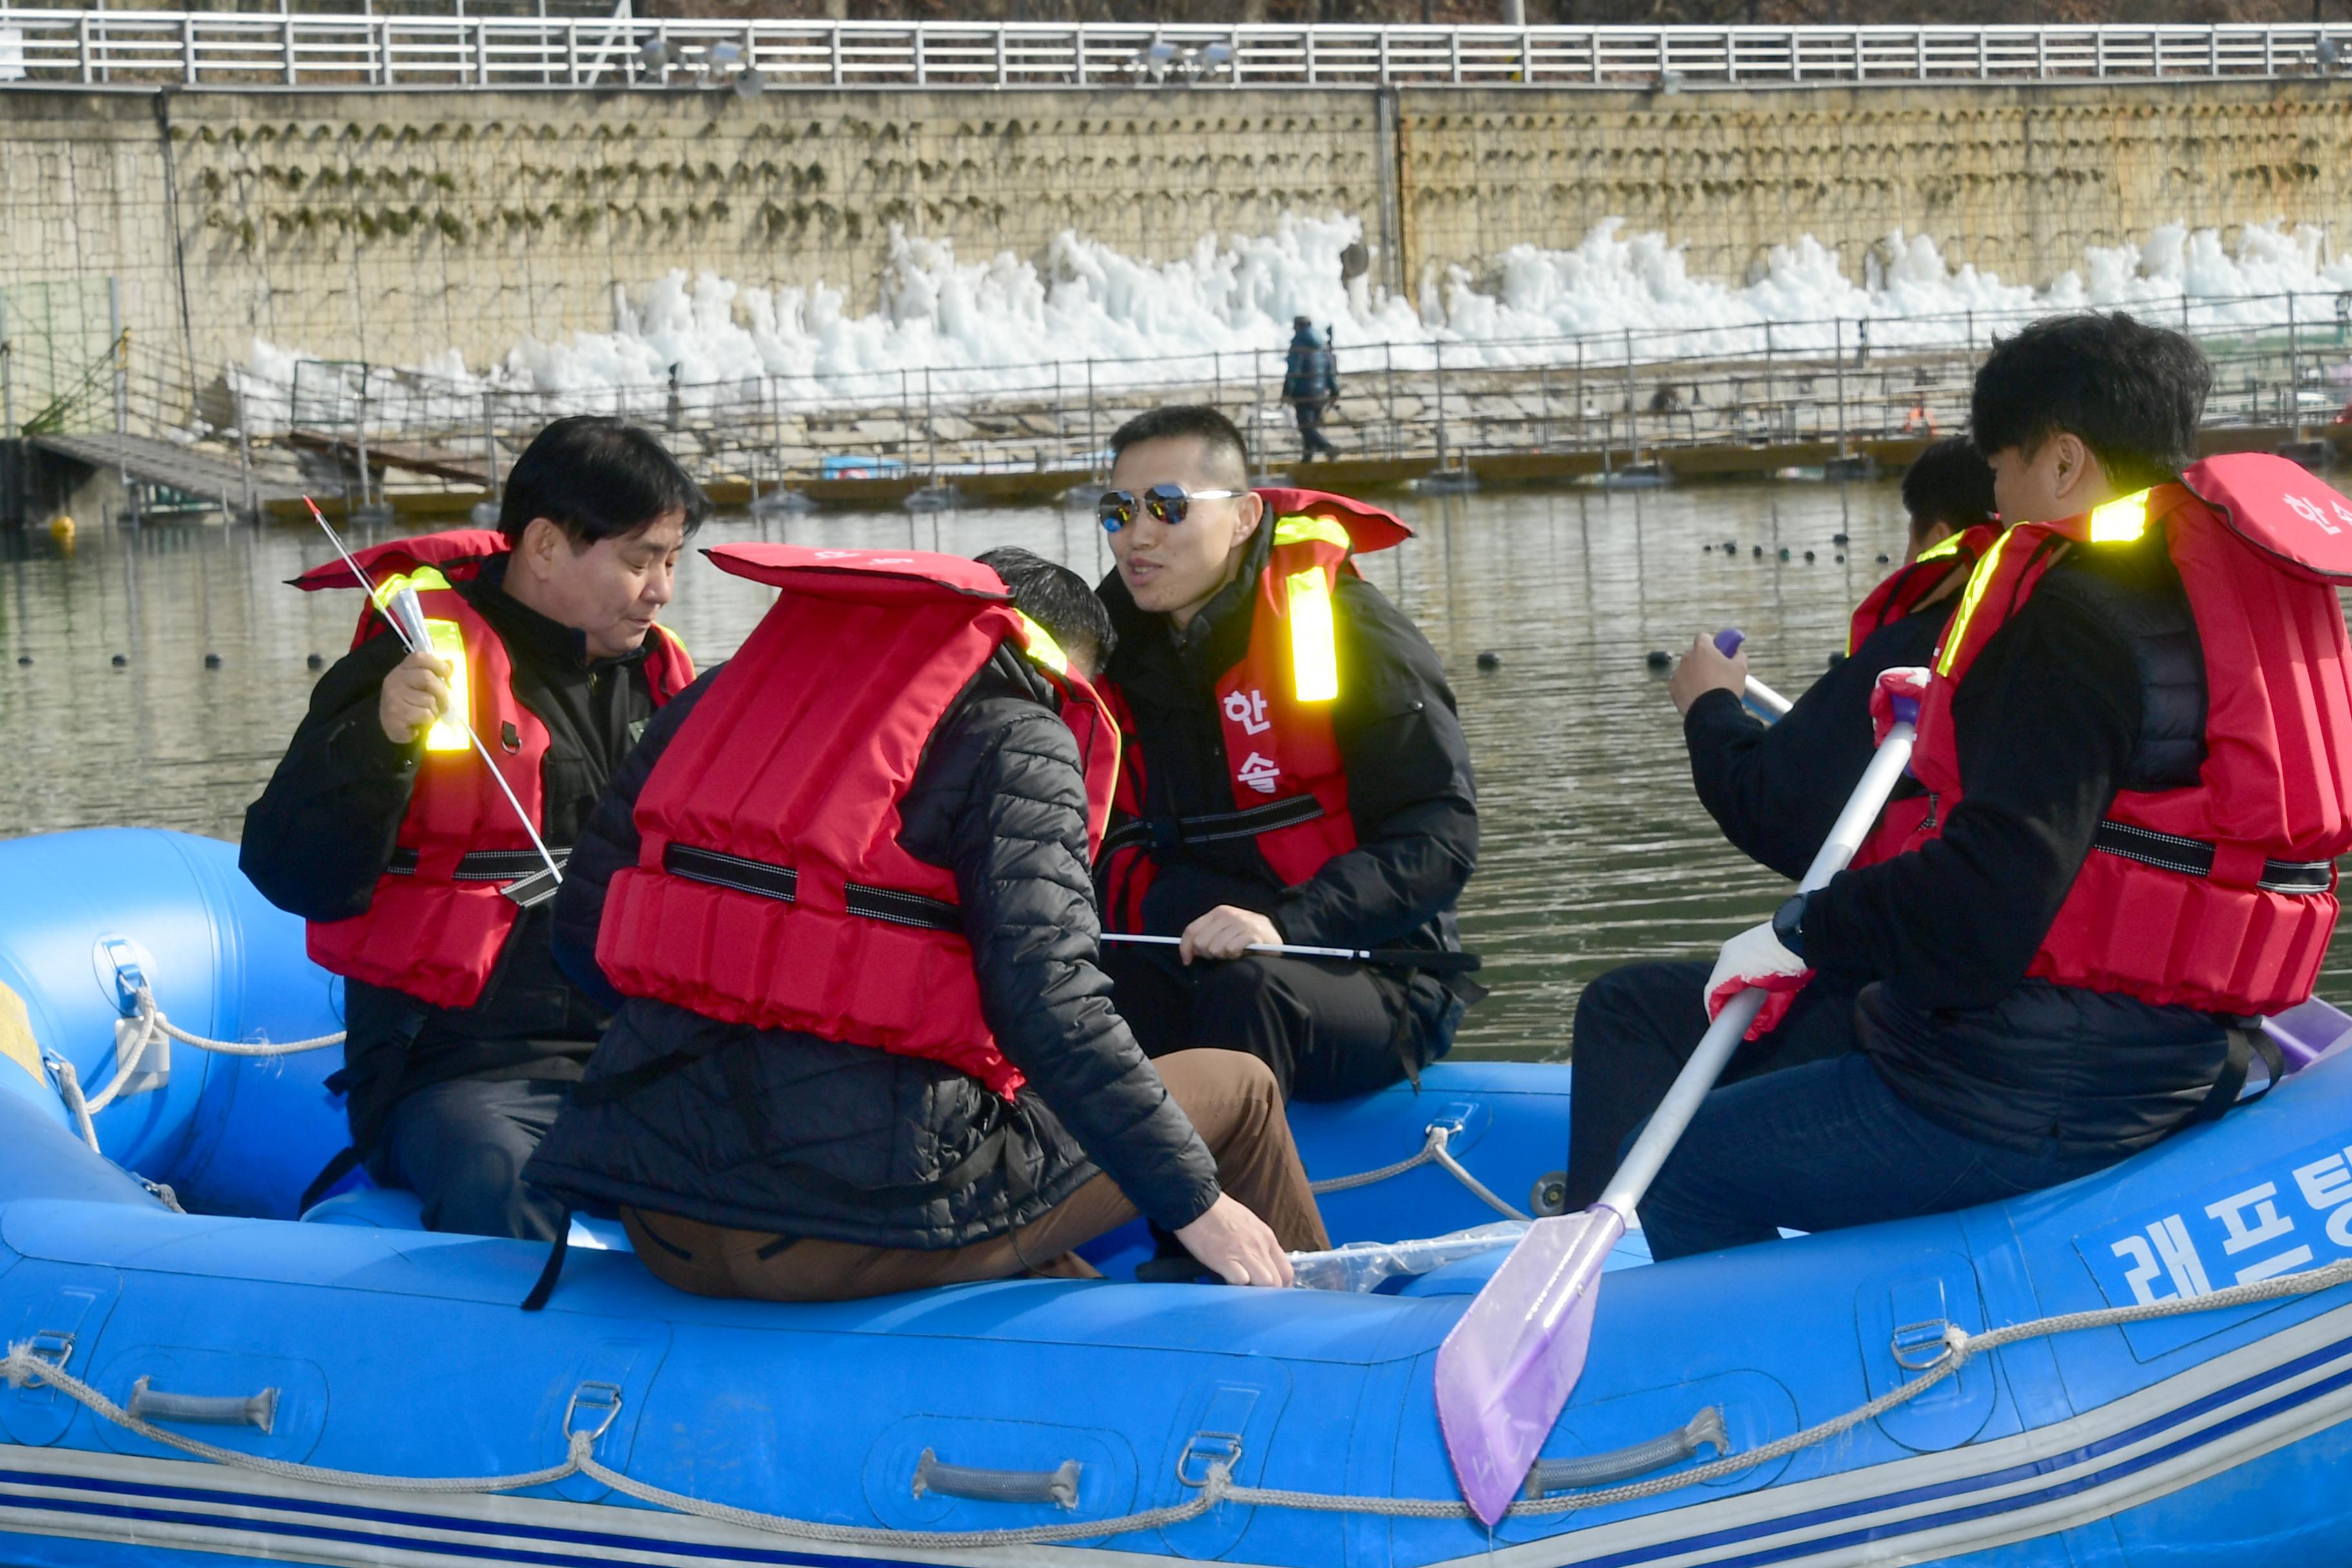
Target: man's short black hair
<point x="1194" y="420"/>
<point x="597" y="477"/>
<point x="1950" y="483"/>
<point x="1057" y="599"/>
<point x="2132" y="392"/>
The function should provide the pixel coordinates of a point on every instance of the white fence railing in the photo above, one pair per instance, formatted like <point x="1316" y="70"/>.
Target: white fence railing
<point x="225" y="49"/>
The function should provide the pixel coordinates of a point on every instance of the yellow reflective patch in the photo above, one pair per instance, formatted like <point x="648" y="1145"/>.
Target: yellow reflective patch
<point x="1310" y="530"/>
<point x="1313" y="643"/>
<point x="425" y="580"/>
<point x="2120" y="521"/>
<point x="448" y="733"/>
<point x="676" y="641"/>
<point x="16" y="1041"/>
<point x="1978" y="581"/>
<point x="1948" y="545"/>
<point x="1041" y="645"/>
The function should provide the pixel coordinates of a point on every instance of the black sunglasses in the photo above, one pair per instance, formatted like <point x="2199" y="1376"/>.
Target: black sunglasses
<point x="1166" y="503"/>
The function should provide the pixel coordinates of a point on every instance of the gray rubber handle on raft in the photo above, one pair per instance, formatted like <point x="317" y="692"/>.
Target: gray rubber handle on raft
<point x="205" y="1409"/>
<point x="1546" y="1477"/>
<point x="1059" y="1485"/>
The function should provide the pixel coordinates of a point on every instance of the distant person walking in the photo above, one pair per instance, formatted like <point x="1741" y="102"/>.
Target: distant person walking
<point x="1310" y="384"/>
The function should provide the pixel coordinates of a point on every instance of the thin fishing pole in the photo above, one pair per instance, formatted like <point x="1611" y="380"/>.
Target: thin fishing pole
<point x="409" y="640"/>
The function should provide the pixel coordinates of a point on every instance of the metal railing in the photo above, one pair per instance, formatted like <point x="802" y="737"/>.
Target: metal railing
<point x="228" y="50"/>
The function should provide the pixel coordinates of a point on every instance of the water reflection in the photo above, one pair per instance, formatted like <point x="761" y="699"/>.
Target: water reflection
<point x="1595" y="849"/>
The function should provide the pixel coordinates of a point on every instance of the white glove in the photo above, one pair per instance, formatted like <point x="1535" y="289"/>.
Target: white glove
<point x="1756" y="959"/>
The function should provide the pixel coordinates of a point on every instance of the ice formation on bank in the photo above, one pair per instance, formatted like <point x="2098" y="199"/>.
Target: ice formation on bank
<point x="1224" y="310"/>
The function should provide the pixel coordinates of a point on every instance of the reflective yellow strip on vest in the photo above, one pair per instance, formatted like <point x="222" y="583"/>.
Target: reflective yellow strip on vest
<point x="425" y="580"/>
<point x="1313" y="650"/>
<point x="1978" y="581"/>
<point x="1309" y="530"/>
<point x="1041" y="645"/>
<point x="1947" y="545"/>
<point x="2120" y="521"/>
<point x="448" y="733"/>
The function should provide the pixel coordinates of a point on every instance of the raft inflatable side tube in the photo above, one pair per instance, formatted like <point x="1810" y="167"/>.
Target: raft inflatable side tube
<point x="2221" y="1437"/>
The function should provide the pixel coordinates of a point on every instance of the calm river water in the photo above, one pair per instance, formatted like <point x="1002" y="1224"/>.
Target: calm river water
<point x="1595" y="851"/>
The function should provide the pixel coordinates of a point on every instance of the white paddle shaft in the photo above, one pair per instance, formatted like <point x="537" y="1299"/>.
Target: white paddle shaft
<point x="1762" y="696"/>
<point x="1723" y="1037"/>
<point x="1288" y="950"/>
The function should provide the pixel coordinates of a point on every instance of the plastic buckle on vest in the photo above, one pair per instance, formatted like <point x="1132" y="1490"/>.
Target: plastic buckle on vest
<point x="595" y="1398"/>
<point x="2238" y="866"/>
<point x="1167" y="834"/>
<point x="1212" y="1451"/>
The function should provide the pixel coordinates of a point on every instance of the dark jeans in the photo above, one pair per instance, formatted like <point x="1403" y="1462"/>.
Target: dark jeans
<point x="460" y="1147"/>
<point x="1825" y="1146"/>
<point x="1328" y="1029"/>
<point x="1314" y="444"/>
<point x="1635" y="1028"/>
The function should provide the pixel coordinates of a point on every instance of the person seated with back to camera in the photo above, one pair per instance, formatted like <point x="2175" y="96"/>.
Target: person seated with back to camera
<point x="1775" y="789"/>
<point x="840" y="897"/>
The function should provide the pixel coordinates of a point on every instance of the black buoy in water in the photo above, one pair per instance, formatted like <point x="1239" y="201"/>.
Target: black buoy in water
<point x="212" y="661"/>
<point x="315" y="662"/>
<point x="1759" y="552"/>
<point x="1808" y="557"/>
<point x="1731" y="547"/>
<point x="1490" y="661"/>
<point x="1658" y="658"/>
<point x="1840" y="538"/>
<point x="1784" y="553"/>
<point x="120" y="661"/>
<point x="1882" y="558"/>
<point x="1840" y="560"/>
<point x="23" y="659"/>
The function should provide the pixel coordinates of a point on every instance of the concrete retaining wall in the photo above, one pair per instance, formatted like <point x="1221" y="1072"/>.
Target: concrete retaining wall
<point x="387" y="226"/>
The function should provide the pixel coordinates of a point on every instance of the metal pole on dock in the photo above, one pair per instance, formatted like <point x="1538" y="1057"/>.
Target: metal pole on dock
<point x="1632" y="408"/>
<point x="490" y="452"/>
<point x="776" y="427"/>
<point x="931" y="432"/>
<point x="1094" y="451"/>
<point x="1581" y="432"/>
<point x="1838" y="357"/>
<point x="245" y="460"/>
<point x="7" y="375"/>
<point x="121" y="382"/>
<point x="1388" y="368"/>
<point x="1772" y="409"/>
<point x="2293" y="366"/>
<point x="1440" y="346"/>
<point x="359" y="439"/>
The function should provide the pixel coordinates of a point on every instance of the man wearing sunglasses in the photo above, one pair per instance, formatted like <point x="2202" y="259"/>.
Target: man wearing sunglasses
<point x="1293" y="771"/>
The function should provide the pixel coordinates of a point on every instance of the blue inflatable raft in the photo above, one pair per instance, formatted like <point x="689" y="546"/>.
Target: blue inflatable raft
<point x="231" y="1381"/>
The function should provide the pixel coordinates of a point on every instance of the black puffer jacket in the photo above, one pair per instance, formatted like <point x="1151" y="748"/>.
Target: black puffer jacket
<point x="1411" y="791"/>
<point x="780" y="1131"/>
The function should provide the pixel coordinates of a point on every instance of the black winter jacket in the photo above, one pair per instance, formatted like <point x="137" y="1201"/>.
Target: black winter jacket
<point x="324" y="831"/>
<point x="1410" y="786"/>
<point x="2095" y="685"/>
<point x="1776" y="790"/>
<point x="785" y="1133"/>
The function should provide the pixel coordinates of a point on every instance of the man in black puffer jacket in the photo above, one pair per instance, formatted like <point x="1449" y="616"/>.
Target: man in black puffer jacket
<point x="747" y="1159"/>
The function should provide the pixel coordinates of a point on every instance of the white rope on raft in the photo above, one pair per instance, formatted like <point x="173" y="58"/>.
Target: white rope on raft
<point x="24" y="1368"/>
<point x="1433" y="1152"/>
<point x="146" y="1026"/>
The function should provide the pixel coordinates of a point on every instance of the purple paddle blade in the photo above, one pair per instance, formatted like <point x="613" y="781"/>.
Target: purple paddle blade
<point x="2307" y="1031"/>
<point x="1511" y="1363"/>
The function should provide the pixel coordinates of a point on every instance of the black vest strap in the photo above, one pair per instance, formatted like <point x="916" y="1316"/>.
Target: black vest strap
<point x="333" y="1171"/>
<point x="782" y="883"/>
<point x="1166" y="833"/>
<point x="2194" y="858"/>
<point x="544" y="1286"/>
<point x="2245" y="1045"/>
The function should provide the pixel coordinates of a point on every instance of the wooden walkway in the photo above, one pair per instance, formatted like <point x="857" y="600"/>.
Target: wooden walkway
<point x="185" y="469"/>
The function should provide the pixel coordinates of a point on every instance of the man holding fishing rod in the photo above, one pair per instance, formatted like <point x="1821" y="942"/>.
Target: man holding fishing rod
<point x="411" y="820"/>
<point x="1774" y="789"/>
<point x="1293" y="775"/>
<point x="2136" y="738"/>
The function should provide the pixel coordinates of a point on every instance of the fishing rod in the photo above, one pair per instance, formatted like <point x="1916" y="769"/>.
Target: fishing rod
<point x="1430" y="959"/>
<point x="407" y="617"/>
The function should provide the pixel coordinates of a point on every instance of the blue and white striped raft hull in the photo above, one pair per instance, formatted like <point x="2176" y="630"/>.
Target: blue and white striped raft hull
<point x="2213" y="1436"/>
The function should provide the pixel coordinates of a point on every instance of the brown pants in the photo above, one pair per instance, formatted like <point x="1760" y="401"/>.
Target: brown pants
<point x="1230" y="1100"/>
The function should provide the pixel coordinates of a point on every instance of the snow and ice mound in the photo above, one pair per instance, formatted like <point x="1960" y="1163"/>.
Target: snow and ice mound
<point x="1009" y="323"/>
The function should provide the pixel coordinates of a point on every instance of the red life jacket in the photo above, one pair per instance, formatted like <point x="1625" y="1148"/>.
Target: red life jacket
<point x="2220" y="895"/>
<point x="1289" y="785"/>
<point x="440" y="915"/>
<point x="770" y="889"/>
<point x="1908" y="823"/>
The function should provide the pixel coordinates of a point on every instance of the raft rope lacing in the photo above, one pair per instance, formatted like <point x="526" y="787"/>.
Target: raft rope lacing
<point x="25" y="1368"/>
<point x="149" y="1025"/>
<point x="1433" y="1152"/>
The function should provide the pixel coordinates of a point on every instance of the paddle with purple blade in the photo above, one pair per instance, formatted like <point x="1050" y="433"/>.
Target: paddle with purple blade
<point x="1761" y="700"/>
<point x="1505" y="1371"/>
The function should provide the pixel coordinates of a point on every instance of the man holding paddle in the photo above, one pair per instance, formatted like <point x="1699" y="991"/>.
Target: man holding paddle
<point x="1292" y="774"/>
<point x="2137" y="740"/>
